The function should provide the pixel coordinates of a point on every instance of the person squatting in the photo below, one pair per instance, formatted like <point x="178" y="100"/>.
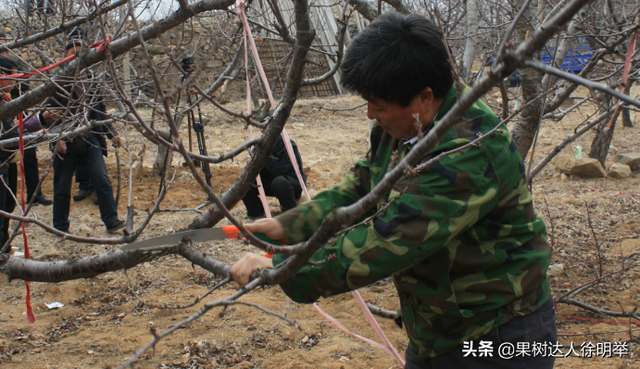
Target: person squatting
<point x="467" y="253"/>
<point x="278" y="179"/>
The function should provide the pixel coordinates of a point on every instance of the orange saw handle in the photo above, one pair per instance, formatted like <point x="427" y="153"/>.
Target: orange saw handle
<point x="233" y="232"/>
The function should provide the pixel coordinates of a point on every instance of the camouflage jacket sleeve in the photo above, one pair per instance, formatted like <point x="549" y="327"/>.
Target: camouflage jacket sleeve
<point x="302" y="221"/>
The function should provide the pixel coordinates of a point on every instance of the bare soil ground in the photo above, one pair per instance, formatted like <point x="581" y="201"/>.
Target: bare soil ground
<point x="106" y="319"/>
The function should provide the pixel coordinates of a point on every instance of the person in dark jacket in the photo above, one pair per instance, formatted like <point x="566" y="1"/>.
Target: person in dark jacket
<point x="279" y="179"/>
<point x="86" y="150"/>
<point x="8" y="168"/>
<point x="30" y="159"/>
<point x="9" y="157"/>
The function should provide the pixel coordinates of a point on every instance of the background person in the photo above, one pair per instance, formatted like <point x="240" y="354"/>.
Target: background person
<point x="279" y="179"/>
<point x="8" y="167"/>
<point x="30" y="158"/>
<point x="86" y="150"/>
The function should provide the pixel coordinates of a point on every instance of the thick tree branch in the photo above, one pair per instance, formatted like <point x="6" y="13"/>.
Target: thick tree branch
<point x="582" y="81"/>
<point x="304" y="37"/>
<point x="92" y="266"/>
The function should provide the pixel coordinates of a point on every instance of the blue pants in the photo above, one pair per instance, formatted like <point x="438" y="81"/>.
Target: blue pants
<point x="539" y="326"/>
<point x="63" y="168"/>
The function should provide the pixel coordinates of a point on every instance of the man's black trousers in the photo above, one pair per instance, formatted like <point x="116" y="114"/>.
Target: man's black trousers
<point x="286" y="191"/>
<point x="82" y="177"/>
<point x="31" y="174"/>
<point x="9" y="174"/>
<point x="63" y="168"/>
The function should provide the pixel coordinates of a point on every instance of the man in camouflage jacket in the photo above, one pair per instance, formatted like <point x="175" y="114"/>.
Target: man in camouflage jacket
<point x="467" y="253"/>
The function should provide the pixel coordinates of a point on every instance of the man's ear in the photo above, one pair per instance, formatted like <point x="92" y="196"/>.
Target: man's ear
<point x="426" y="99"/>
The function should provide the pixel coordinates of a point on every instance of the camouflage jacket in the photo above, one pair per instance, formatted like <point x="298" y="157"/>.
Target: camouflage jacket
<point x="466" y="251"/>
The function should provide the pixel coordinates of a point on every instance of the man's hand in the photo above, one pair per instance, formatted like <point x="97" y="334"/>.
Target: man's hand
<point x="269" y="227"/>
<point x="250" y="262"/>
<point x="61" y="147"/>
<point x="51" y="115"/>
<point x="117" y="141"/>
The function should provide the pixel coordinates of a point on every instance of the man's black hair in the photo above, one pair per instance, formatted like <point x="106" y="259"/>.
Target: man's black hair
<point x="395" y="58"/>
<point x="7" y="65"/>
<point x="72" y="44"/>
<point x="75" y="38"/>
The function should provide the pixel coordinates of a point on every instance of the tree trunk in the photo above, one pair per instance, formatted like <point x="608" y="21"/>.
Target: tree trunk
<point x="526" y="127"/>
<point x="472" y="40"/>
<point x="602" y="140"/>
<point x="561" y="53"/>
<point x="626" y="115"/>
<point x="626" y="118"/>
<point x="399" y="6"/>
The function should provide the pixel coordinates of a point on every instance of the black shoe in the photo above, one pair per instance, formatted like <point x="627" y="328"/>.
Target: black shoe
<point x="253" y="218"/>
<point x="113" y="228"/>
<point x="42" y="200"/>
<point x="82" y="194"/>
<point x="95" y="198"/>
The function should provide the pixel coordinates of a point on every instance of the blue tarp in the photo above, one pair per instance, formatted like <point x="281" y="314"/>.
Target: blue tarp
<point x="574" y="62"/>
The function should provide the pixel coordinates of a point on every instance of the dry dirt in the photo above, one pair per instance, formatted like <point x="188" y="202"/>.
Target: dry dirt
<point x="105" y="319"/>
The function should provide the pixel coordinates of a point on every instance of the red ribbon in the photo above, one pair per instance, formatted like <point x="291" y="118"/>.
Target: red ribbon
<point x="30" y="317"/>
<point x="100" y="45"/>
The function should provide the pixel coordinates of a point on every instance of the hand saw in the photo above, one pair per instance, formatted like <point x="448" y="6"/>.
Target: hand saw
<point x="195" y="235"/>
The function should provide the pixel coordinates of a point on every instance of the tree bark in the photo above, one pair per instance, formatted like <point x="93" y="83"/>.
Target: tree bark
<point x="626" y="114"/>
<point x="399" y="6"/>
<point x="92" y="266"/>
<point x="117" y="48"/>
<point x="626" y="118"/>
<point x="560" y="54"/>
<point x="602" y="140"/>
<point x="368" y="11"/>
<point x="525" y="129"/>
<point x="471" y="41"/>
